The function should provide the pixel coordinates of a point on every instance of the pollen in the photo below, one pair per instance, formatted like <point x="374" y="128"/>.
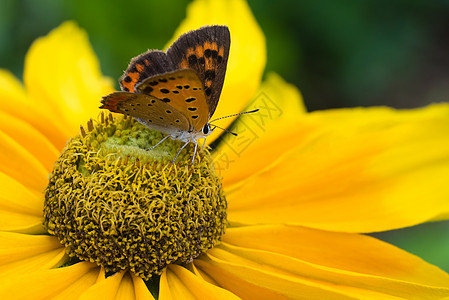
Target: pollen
<point x="112" y="202"/>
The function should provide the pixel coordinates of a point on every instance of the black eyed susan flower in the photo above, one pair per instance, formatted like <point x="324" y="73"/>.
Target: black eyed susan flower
<point x="276" y="212"/>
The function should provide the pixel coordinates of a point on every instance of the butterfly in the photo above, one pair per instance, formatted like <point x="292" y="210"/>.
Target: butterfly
<point x="177" y="91"/>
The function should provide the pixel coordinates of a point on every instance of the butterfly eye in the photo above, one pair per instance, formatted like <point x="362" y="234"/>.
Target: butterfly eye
<point x="206" y="129"/>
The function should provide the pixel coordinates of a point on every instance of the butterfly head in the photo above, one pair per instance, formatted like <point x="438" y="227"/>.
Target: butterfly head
<point x="207" y="129"/>
<point x="194" y="135"/>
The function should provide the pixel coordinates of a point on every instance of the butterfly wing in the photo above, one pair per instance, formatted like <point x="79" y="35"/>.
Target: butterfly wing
<point x="148" y="64"/>
<point x="182" y="90"/>
<point x="198" y="59"/>
<point x="206" y="51"/>
<point x="149" y="110"/>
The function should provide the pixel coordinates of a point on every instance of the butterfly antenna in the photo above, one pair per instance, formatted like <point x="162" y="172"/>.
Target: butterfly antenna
<point x="233" y="133"/>
<point x="242" y="113"/>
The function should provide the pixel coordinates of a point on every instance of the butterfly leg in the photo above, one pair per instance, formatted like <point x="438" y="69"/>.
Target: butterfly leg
<point x="204" y="144"/>
<point x="194" y="152"/>
<point x="183" y="146"/>
<point x="158" y="143"/>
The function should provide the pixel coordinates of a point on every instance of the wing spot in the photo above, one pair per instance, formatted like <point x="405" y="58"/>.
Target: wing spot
<point x="192" y="108"/>
<point x="195" y="117"/>
<point x="168" y="111"/>
<point x="147" y="89"/>
<point x="126" y="89"/>
<point x="202" y="60"/>
<point x="219" y="59"/>
<point x="150" y="121"/>
<point x="209" y="75"/>
<point x="214" y="54"/>
<point x="177" y="121"/>
<point x="187" y="87"/>
<point x="149" y="104"/>
<point x="161" y="118"/>
<point x="153" y="101"/>
<point x="175" y="92"/>
<point x="153" y="83"/>
<point x="162" y="80"/>
<point x="127" y="79"/>
<point x="192" y="59"/>
<point x="165" y="91"/>
<point x="207" y="53"/>
<point x="140" y="68"/>
<point x="172" y="78"/>
<point x="179" y="87"/>
<point x="208" y="91"/>
<point x="166" y="100"/>
<point x="191" y="99"/>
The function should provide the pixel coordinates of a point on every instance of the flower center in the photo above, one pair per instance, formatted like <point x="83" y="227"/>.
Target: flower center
<point x="112" y="202"/>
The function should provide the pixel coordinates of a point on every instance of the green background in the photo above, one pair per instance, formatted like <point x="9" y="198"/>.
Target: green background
<point x="339" y="53"/>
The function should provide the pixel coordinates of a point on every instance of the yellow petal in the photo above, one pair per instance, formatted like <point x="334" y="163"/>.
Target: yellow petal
<point x="281" y="106"/>
<point x="140" y="289"/>
<point x="233" y="283"/>
<point x="247" y="281"/>
<point x="77" y="287"/>
<point x="297" y="278"/>
<point x="344" y="251"/>
<point x="11" y="90"/>
<point x="62" y="283"/>
<point x="247" y="57"/>
<point x="200" y="274"/>
<point x="20" y="209"/>
<point x="106" y="288"/>
<point x="18" y="163"/>
<point x="179" y="283"/>
<point x="16" y="103"/>
<point x="125" y="290"/>
<point x="356" y="170"/>
<point x="23" y="253"/>
<point x="29" y="138"/>
<point x="278" y="101"/>
<point x="122" y="285"/>
<point x="62" y="75"/>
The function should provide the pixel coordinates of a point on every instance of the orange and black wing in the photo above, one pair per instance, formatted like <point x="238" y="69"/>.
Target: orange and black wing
<point x="153" y="112"/>
<point x="206" y="51"/>
<point x="143" y="66"/>
<point x="181" y="89"/>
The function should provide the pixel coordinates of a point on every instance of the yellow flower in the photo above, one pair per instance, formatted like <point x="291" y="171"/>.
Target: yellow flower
<point x="300" y="187"/>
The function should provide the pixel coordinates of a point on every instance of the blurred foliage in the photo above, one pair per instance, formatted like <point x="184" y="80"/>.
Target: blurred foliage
<point x="352" y="52"/>
<point x="429" y="241"/>
<point x="339" y="53"/>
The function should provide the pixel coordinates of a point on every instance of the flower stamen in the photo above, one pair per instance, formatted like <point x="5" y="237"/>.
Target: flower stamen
<point x="111" y="202"/>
